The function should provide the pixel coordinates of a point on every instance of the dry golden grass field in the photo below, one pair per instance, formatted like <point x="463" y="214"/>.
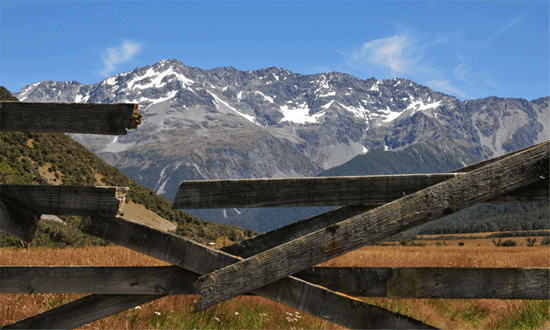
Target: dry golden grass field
<point x="257" y="313"/>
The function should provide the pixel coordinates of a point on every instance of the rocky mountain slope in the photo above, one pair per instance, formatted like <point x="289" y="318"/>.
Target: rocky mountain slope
<point x="56" y="159"/>
<point x="229" y="124"/>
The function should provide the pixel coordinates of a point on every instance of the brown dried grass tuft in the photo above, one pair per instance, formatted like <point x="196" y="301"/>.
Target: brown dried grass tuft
<point x="247" y="312"/>
<point x="444" y="256"/>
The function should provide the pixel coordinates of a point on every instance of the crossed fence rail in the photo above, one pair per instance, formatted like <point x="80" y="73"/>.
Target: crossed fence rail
<point x="279" y="264"/>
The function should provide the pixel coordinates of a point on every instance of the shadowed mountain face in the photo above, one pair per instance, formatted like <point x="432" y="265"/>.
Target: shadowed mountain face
<point x="230" y="124"/>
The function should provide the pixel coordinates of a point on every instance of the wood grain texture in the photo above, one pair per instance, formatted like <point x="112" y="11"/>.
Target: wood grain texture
<point x="276" y="237"/>
<point x="331" y="191"/>
<point x="293" y="292"/>
<point x="66" y="200"/>
<point x="536" y="192"/>
<point x="88" y="118"/>
<point x="415" y="282"/>
<point x="82" y="311"/>
<point x="17" y="220"/>
<point x="161" y="280"/>
<point x="470" y="283"/>
<point x="480" y="185"/>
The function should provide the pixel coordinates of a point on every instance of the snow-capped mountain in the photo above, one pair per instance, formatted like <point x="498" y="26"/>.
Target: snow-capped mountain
<point x="227" y="124"/>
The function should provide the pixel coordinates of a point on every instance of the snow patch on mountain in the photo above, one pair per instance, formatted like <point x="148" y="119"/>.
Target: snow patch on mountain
<point x="419" y="105"/>
<point x="24" y="93"/>
<point x="358" y="112"/>
<point x="299" y="114"/>
<point x="116" y="146"/>
<point x="153" y="78"/>
<point x="79" y="98"/>
<point x="389" y="115"/>
<point x="226" y="105"/>
<point x="328" y="94"/>
<point x="269" y="99"/>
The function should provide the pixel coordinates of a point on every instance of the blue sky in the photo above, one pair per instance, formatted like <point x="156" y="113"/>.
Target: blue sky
<point x="467" y="49"/>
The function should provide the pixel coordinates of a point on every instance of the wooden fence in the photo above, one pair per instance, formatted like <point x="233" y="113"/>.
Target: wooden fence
<point x="279" y="264"/>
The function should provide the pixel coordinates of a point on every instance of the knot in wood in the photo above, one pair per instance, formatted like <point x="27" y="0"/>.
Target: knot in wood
<point x="332" y="229"/>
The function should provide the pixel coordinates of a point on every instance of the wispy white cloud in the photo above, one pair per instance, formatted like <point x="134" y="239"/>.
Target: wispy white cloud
<point x="118" y="55"/>
<point x="401" y="54"/>
<point x="396" y="53"/>
<point x="461" y="71"/>
<point x="447" y="62"/>
<point x="492" y="84"/>
<point x="505" y="28"/>
<point x="445" y="86"/>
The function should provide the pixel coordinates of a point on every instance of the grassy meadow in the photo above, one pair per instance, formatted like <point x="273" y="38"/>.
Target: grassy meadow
<point x="252" y="312"/>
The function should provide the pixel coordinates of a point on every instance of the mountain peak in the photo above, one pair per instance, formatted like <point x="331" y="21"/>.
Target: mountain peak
<point x="224" y="123"/>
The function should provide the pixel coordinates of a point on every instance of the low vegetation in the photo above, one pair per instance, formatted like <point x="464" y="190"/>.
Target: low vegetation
<point x="250" y="312"/>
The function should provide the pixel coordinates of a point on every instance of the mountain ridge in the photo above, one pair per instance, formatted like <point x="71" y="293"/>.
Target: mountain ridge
<point x="229" y="124"/>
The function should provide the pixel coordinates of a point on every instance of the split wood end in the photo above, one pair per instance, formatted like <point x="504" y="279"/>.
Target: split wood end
<point x="135" y="120"/>
<point x="120" y="194"/>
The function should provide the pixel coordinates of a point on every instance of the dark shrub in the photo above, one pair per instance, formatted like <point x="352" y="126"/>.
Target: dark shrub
<point x="509" y="242"/>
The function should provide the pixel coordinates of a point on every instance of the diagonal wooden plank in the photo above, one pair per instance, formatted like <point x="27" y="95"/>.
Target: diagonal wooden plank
<point x="264" y="242"/>
<point x="407" y="282"/>
<point x="89" y="118"/>
<point x="318" y="191"/>
<point x="536" y="192"/>
<point x="432" y="203"/>
<point x="293" y="292"/>
<point x="66" y="200"/>
<point x="82" y="311"/>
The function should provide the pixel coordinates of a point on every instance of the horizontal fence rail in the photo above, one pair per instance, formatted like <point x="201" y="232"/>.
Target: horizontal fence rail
<point x="409" y="282"/>
<point x="477" y="186"/>
<point x="334" y="191"/>
<point x="331" y="191"/>
<point x="22" y="205"/>
<point x="66" y="200"/>
<point x="88" y="118"/>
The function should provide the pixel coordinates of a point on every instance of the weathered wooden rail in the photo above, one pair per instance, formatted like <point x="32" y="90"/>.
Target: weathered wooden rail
<point x="373" y="191"/>
<point x="89" y="118"/>
<point x="22" y="205"/>
<point x="410" y="282"/>
<point x="278" y="264"/>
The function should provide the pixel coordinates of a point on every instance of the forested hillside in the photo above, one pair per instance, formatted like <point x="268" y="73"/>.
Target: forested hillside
<point x="54" y="158"/>
<point x="482" y="218"/>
